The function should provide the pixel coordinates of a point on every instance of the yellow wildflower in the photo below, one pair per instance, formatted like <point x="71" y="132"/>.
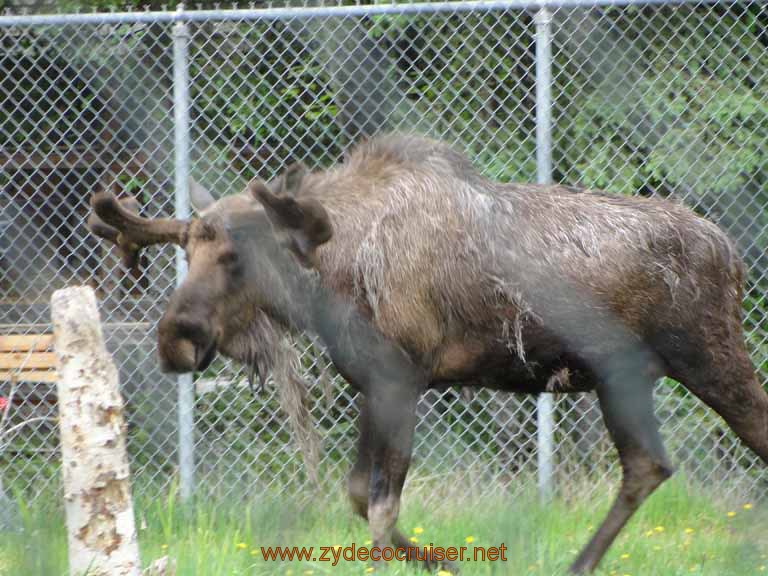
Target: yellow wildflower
<point x="659" y="529"/>
<point x="368" y="542"/>
<point x="624" y="556"/>
<point x="164" y="547"/>
<point x="444" y="573"/>
<point x="649" y="532"/>
<point x="688" y="530"/>
<point x="418" y="530"/>
<point x="369" y="570"/>
<point x="241" y="545"/>
<point x="731" y="514"/>
<point x="255" y="552"/>
<point x="469" y="539"/>
<point x="413" y="539"/>
<point x="747" y="506"/>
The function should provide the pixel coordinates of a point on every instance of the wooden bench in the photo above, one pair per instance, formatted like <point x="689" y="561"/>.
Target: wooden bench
<point x="27" y="358"/>
<point x="30" y="357"/>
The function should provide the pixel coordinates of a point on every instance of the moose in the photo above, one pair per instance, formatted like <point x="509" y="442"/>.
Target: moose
<point x="418" y="272"/>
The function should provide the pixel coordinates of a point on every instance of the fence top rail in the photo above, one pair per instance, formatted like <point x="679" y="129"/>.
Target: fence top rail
<point x="286" y="13"/>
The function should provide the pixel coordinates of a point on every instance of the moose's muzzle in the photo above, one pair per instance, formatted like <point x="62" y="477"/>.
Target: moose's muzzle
<point x="184" y="345"/>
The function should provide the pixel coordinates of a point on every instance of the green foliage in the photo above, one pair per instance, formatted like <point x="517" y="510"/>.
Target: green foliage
<point x="471" y="88"/>
<point x="679" y="530"/>
<point x="681" y="113"/>
<point x="281" y="103"/>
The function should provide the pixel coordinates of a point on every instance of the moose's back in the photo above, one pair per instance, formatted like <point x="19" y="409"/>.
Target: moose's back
<point x="448" y="262"/>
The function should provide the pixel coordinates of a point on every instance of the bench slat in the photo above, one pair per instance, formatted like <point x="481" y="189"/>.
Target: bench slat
<point x="27" y="360"/>
<point x="26" y="342"/>
<point x="49" y="376"/>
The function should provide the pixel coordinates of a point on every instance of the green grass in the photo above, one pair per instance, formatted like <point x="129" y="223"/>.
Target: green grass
<point x="678" y="531"/>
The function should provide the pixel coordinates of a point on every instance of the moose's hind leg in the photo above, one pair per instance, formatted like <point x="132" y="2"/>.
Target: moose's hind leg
<point x="627" y="406"/>
<point x="718" y="370"/>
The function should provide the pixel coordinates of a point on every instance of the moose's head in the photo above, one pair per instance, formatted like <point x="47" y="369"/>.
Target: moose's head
<point x="232" y="295"/>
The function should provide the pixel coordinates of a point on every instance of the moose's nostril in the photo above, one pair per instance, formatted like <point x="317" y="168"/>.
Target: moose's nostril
<point x="206" y="356"/>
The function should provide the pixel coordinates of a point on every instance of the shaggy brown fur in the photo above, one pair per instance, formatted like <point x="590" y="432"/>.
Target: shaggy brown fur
<point x="417" y="271"/>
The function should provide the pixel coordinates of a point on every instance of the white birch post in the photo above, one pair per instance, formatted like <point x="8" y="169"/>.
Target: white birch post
<point x="97" y="492"/>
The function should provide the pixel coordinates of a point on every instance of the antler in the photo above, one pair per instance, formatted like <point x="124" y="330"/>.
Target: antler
<point x="118" y="221"/>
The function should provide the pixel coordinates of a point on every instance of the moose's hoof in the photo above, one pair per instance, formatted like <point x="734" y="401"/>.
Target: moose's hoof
<point x="446" y="568"/>
<point x="580" y="566"/>
<point x="378" y="567"/>
<point x="441" y="567"/>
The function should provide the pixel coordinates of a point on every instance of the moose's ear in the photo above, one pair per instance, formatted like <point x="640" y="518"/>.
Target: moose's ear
<point x="200" y="197"/>
<point x="289" y="183"/>
<point x="302" y="223"/>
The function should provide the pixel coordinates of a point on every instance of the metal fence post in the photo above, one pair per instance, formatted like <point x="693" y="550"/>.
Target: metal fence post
<point x="186" y="393"/>
<point x="544" y="405"/>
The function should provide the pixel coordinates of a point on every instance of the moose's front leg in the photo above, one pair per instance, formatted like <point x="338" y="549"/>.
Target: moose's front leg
<point x="358" y="487"/>
<point x="393" y="418"/>
<point x="391" y="383"/>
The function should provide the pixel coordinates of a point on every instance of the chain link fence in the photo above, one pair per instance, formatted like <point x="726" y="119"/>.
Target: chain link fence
<point x="646" y="98"/>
